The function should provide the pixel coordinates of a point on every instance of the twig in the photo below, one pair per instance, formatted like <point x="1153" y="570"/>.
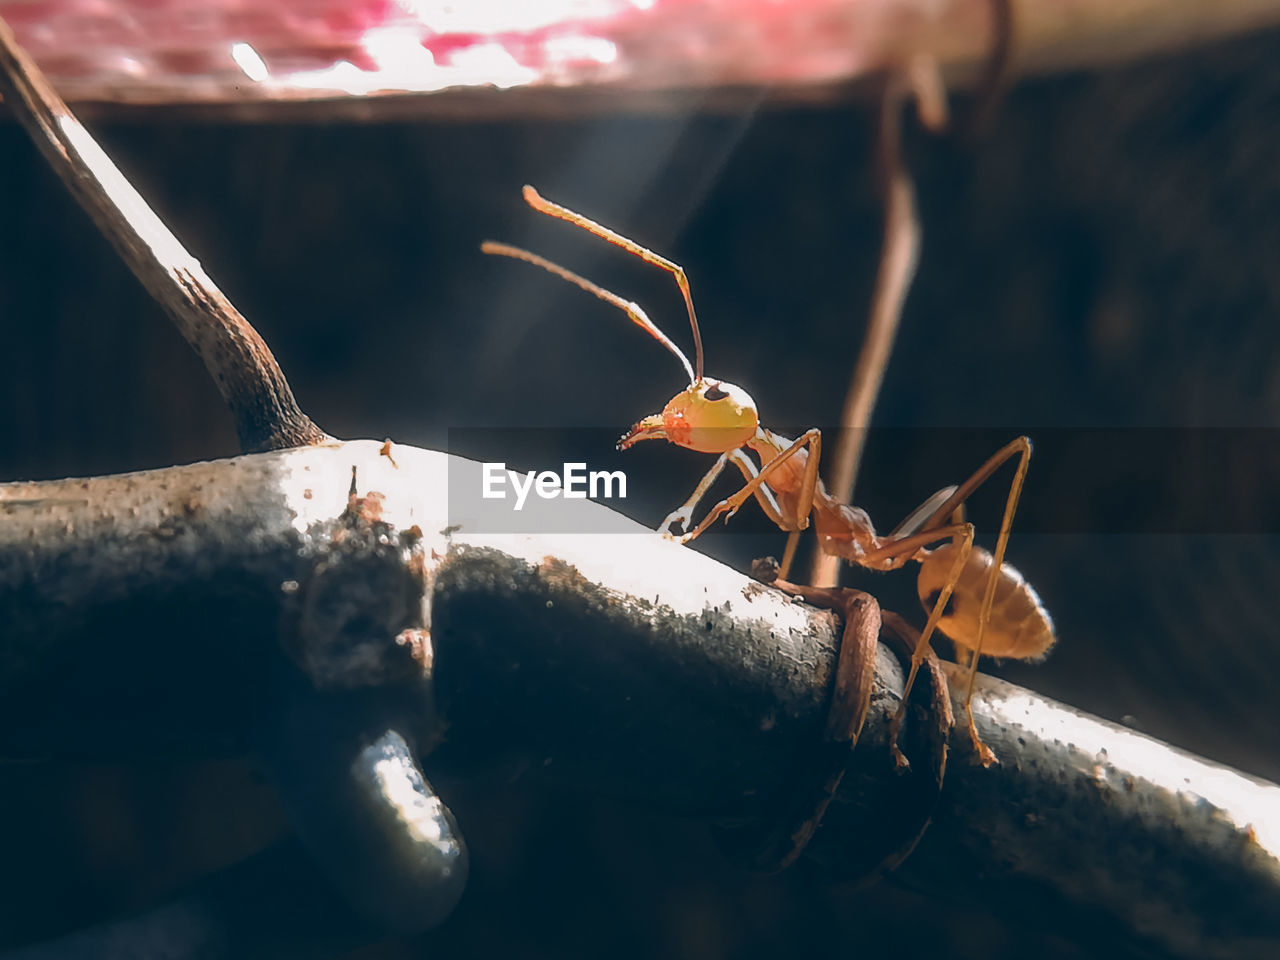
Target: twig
<point x="998" y="75"/>
<point x="900" y="250"/>
<point x="248" y="377"/>
<point x="638" y="668"/>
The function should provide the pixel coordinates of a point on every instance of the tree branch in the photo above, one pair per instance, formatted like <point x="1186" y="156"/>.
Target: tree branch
<point x="638" y="668"/>
<point x="248" y="377"/>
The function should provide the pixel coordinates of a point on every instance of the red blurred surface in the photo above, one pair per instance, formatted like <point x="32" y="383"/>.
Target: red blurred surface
<point x="193" y="51"/>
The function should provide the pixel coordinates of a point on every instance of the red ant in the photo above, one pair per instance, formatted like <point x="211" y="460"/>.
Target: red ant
<point x="976" y="599"/>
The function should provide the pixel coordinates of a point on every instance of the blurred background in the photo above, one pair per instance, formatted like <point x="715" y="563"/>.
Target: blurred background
<point x="1101" y="257"/>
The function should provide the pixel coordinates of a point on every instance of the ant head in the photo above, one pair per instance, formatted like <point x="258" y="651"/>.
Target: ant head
<point x="710" y="416"/>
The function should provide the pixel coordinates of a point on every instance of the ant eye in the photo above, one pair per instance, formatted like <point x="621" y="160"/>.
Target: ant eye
<point x="714" y="392"/>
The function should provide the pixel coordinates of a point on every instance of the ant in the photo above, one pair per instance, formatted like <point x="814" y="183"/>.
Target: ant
<point x="975" y="598"/>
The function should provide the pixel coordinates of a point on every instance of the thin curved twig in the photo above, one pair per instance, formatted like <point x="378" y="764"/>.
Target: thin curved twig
<point x="898" y="257"/>
<point x="251" y="382"/>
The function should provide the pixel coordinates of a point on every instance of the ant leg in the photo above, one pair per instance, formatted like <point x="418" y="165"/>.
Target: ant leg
<point x="916" y="518"/>
<point x="850" y="701"/>
<point x="923" y="649"/>
<point x="682" y="513"/>
<point x="808" y="489"/>
<point x="904" y="638"/>
<point x="1021" y="446"/>
<point x="763" y="494"/>
<point x="922" y="653"/>
<point x="808" y="482"/>
<point x="811" y="438"/>
<point x="894" y="554"/>
<point x="789" y="554"/>
<point x="770" y="506"/>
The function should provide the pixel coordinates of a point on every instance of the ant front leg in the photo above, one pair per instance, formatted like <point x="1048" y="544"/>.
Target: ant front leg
<point x="812" y="441"/>
<point x="684" y="513"/>
<point x="765" y="498"/>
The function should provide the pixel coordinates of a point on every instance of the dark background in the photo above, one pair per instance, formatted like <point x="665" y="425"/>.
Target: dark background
<point x="1103" y="257"/>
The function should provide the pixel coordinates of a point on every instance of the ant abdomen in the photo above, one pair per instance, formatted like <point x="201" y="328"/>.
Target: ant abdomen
<point x="1019" y="627"/>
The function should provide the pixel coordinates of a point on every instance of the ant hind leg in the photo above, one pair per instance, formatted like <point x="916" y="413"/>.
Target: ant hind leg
<point x="923" y="648"/>
<point x="1022" y="448"/>
<point x="948" y="508"/>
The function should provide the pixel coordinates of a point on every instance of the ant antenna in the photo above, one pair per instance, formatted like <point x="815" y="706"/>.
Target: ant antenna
<point x="535" y="200"/>
<point x="633" y="310"/>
